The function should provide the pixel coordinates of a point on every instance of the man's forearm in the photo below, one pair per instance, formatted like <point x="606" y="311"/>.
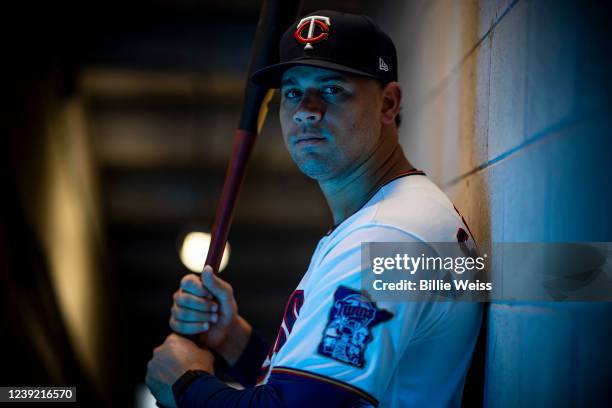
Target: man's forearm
<point x="236" y="341"/>
<point x="282" y="390"/>
<point x="243" y="350"/>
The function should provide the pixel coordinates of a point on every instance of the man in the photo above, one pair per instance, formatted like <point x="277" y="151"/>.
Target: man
<point x="340" y="102"/>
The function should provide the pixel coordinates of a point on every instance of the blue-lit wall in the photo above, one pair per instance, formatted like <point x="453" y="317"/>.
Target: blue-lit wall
<point x="508" y="108"/>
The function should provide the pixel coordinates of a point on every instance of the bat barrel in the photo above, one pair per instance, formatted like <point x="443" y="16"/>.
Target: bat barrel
<point x="275" y="17"/>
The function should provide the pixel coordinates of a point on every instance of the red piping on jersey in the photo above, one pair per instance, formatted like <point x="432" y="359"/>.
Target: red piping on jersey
<point x="327" y="380"/>
<point x="276" y="346"/>
<point x="463" y="220"/>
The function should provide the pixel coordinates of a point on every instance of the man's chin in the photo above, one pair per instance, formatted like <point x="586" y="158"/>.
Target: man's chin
<point x="315" y="171"/>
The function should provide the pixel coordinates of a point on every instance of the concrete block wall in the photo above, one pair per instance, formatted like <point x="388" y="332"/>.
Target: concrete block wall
<point x="507" y="106"/>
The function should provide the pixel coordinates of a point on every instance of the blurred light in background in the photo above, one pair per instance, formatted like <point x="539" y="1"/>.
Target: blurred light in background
<point x="194" y="249"/>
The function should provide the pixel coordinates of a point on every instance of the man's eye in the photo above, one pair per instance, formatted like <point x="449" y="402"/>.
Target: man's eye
<point x="292" y="93"/>
<point x="331" y="90"/>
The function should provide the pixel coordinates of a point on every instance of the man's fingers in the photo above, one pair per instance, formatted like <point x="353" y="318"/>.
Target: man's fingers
<point x="190" y="315"/>
<point x="192" y="284"/>
<point x="188" y="328"/>
<point x="190" y="301"/>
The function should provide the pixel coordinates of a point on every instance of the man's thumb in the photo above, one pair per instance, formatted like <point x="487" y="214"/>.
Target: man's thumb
<point x="213" y="284"/>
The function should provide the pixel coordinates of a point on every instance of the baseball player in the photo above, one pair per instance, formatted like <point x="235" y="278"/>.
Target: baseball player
<point x="336" y="347"/>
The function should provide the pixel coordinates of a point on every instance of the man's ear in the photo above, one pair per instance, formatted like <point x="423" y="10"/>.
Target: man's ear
<point x="392" y="101"/>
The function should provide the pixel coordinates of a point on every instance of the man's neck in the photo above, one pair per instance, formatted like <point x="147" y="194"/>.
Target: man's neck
<point x="346" y="195"/>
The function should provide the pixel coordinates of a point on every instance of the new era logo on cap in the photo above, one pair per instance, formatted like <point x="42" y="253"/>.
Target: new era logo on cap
<point x="382" y="65"/>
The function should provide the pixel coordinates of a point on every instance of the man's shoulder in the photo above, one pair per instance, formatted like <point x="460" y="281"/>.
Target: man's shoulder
<point x="417" y="205"/>
<point x="413" y="205"/>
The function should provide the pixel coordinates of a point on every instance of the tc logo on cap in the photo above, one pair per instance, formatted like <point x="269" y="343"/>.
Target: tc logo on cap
<point x="311" y="21"/>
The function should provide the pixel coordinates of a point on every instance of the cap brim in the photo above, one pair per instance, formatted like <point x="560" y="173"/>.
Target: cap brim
<point x="271" y="76"/>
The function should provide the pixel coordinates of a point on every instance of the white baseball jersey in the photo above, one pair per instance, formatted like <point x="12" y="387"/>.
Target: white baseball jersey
<point x="410" y="354"/>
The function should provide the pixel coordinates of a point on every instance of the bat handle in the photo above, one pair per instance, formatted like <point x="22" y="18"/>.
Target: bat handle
<point x="243" y="145"/>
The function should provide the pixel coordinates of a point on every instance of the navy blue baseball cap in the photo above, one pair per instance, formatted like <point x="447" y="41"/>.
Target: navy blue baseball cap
<point x="344" y="42"/>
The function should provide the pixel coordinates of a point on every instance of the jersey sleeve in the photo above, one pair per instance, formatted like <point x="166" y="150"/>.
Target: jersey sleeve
<point x="281" y="391"/>
<point x="246" y="370"/>
<point x="341" y="336"/>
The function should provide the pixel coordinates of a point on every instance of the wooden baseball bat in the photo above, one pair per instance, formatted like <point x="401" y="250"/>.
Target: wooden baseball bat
<point x="274" y="18"/>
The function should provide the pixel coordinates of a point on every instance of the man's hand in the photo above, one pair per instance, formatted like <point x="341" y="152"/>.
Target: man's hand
<point x="172" y="359"/>
<point x="204" y="306"/>
<point x="207" y="308"/>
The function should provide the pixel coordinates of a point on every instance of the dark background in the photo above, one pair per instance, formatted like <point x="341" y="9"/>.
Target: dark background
<point x="118" y="123"/>
<point x="158" y="85"/>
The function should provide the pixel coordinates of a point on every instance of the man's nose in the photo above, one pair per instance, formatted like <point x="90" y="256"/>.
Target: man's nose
<point x="308" y="112"/>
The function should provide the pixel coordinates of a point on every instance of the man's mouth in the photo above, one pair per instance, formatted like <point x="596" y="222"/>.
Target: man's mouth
<point x="308" y="139"/>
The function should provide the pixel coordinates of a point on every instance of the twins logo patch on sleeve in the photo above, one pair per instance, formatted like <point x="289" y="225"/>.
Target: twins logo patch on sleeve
<point x="349" y="327"/>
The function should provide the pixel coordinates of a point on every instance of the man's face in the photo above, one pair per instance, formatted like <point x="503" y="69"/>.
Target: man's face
<point x="330" y="120"/>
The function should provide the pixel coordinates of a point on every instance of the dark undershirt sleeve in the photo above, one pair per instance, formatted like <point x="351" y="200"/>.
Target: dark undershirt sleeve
<point x="281" y="391"/>
<point x="247" y="368"/>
